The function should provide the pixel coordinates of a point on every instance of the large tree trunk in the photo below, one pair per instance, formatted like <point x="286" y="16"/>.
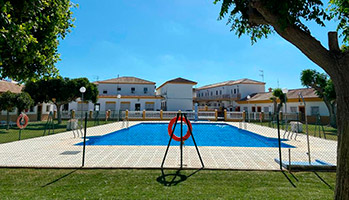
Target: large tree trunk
<point x="59" y="113"/>
<point x="341" y="82"/>
<point x="335" y="63"/>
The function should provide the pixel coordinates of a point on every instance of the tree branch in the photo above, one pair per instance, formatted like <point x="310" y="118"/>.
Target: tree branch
<point x="333" y="41"/>
<point x="306" y="43"/>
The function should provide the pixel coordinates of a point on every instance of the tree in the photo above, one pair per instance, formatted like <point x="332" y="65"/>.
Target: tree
<point x="324" y="89"/>
<point x="60" y="91"/>
<point x="278" y="95"/>
<point x="9" y="101"/>
<point x="259" y="18"/>
<point x="23" y="101"/>
<point x="30" y="32"/>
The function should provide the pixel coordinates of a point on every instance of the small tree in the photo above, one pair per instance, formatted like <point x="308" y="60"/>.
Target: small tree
<point x="23" y="101"/>
<point x="324" y="89"/>
<point x="60" y="91"/>
<point x="278" y="95"/>
<point x="8" y="103"/>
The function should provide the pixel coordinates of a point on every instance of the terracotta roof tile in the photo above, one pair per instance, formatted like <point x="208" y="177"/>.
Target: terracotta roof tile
<point x="125" y="80"/>
<point x="232" y="82"/>
<point x="291" y="94"/>
<point x="179" y="81"/>
<point x="9" y="86"/>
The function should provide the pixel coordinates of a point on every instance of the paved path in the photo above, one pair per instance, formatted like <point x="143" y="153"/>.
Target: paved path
<point x="59" y="150"/>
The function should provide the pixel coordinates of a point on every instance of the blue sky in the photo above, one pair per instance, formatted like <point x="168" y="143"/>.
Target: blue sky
<point x="160" y="40"/>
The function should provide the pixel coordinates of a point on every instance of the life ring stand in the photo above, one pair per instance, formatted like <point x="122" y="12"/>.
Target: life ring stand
<point x="169" y="129"/>
<point x="19" y="119"/>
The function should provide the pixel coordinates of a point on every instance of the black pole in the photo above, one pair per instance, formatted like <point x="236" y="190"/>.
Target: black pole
<point x="181" y="145"/>
<point x="279" y="140"/>
<point x="196" y="146"/>
<point x="168" y="146"/>
<point x="83" y="150"/>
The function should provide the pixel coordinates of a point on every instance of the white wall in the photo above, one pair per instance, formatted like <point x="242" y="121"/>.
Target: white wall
<point x="126" y="89"/>
<point x="247" y="89"/>
<point x="177" y="96"/>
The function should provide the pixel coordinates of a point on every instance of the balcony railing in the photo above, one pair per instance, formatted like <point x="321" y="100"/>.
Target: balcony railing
<point x="220" y="97"/>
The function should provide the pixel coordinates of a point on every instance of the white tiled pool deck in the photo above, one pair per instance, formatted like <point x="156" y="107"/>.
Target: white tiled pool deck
<point x="47" y="152"/>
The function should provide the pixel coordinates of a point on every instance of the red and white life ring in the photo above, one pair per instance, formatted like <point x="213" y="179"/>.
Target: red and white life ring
<point x="186" y="136"/>
<point x="20" y="119"/>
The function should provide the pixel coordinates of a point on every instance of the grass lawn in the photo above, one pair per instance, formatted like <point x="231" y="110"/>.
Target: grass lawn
<point x="331" y="133"/>
<point x="35" y="129"/>
<point x="145" y="184"/>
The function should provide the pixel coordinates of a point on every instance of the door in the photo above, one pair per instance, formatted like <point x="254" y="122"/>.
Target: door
<point x="137" y="107"/>
<point x="302" y="113"/>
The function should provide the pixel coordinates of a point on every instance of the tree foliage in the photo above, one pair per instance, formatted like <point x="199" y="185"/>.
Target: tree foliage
<point x="324" y="88"/>
<point x="244" y="19"/>
<point x="278" y="95"/>
<point x="29" y="36"/>
<point x="61" y="91"/>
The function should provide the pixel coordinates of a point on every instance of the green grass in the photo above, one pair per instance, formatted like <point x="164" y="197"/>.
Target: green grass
<point x="144" y="184"/>
<point x="331" y="133"/>
<point x="35" y="129"/>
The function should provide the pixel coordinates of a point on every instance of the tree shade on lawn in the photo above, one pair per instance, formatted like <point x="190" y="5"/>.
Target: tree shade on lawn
<point x="259" y="18"/>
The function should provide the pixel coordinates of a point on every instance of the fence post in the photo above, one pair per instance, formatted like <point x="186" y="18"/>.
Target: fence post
<point x="54" y="114"/>
<point x="206" y="108"/>
<point x="84" y="147"/>
<point x="216" y="114"/>
<point x="73" y="114"/>
<point x="126" y="114"/>
<point x="225" y="115"/>
<point x="143" y="114"/>
<point x="280" y="116"/>
<point x="161" y="115"/>
<point x="261" y="116"/>
<point x="243" y="116"/>
<point x="90" y="114"/>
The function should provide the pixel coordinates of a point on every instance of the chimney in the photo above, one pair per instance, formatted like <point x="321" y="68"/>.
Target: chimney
<point x="270" y="89"/>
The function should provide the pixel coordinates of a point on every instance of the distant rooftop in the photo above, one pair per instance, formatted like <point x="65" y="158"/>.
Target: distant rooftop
<point x="10" y="86"/>
<point x="126" y="80"/>
<point x="178" y="81"/>
<point x="232" y="82"/>
<point x="291" y="94"/>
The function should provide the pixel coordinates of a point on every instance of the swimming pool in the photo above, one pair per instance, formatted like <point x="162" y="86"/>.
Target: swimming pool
<point x="206" y="134"/>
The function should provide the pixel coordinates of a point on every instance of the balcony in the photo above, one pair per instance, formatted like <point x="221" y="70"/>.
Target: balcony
<point x="223" y="97"/>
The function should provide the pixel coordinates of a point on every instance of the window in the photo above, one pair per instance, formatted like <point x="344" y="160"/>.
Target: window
<point x="234" y="91"/>
<point x="214" y="104"/>
<point x="145" y="90"/>
<point x="315" y="110"/>
<point x="133" y="90"/>
<point x="65" y="107"/>
<point x="118" y="89"/>
<point x="266" y="109"/>
<point x="216" y="92"/>
<point x="220" y="92"/>
<point x="293" y="109"/>
<point x="110" y="105"/>
<point x="105" y="91"/>
<point x="149" y="105"/>
<point x="31" y="109"/>
<point x="48" y="108"/>
<point x="231" y="91"/>
<point x="253" y="109"/>
<point x="211" y="93"/>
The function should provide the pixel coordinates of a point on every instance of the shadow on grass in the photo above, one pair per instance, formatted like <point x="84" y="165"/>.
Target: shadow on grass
<point x="289" y="180"/>
<point x="174" y="179"/>
<point x="60" y="178"/>
<point x="322" y="180"/>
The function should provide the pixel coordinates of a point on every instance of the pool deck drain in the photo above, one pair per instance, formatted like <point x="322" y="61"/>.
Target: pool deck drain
<point x="47" y="152"/>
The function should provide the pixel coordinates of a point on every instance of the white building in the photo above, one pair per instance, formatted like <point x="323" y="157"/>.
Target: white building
<point x="261" y="102"/>
<point x="177" y="94"/>
<point x="123" y="93"/>
<point x="225" y="94"/>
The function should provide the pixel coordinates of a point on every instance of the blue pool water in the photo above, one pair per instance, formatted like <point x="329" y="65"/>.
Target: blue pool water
<point x="156" y="134"/>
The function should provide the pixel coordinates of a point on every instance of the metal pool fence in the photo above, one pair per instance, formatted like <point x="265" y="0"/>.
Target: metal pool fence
<point x="123" y="139"/>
